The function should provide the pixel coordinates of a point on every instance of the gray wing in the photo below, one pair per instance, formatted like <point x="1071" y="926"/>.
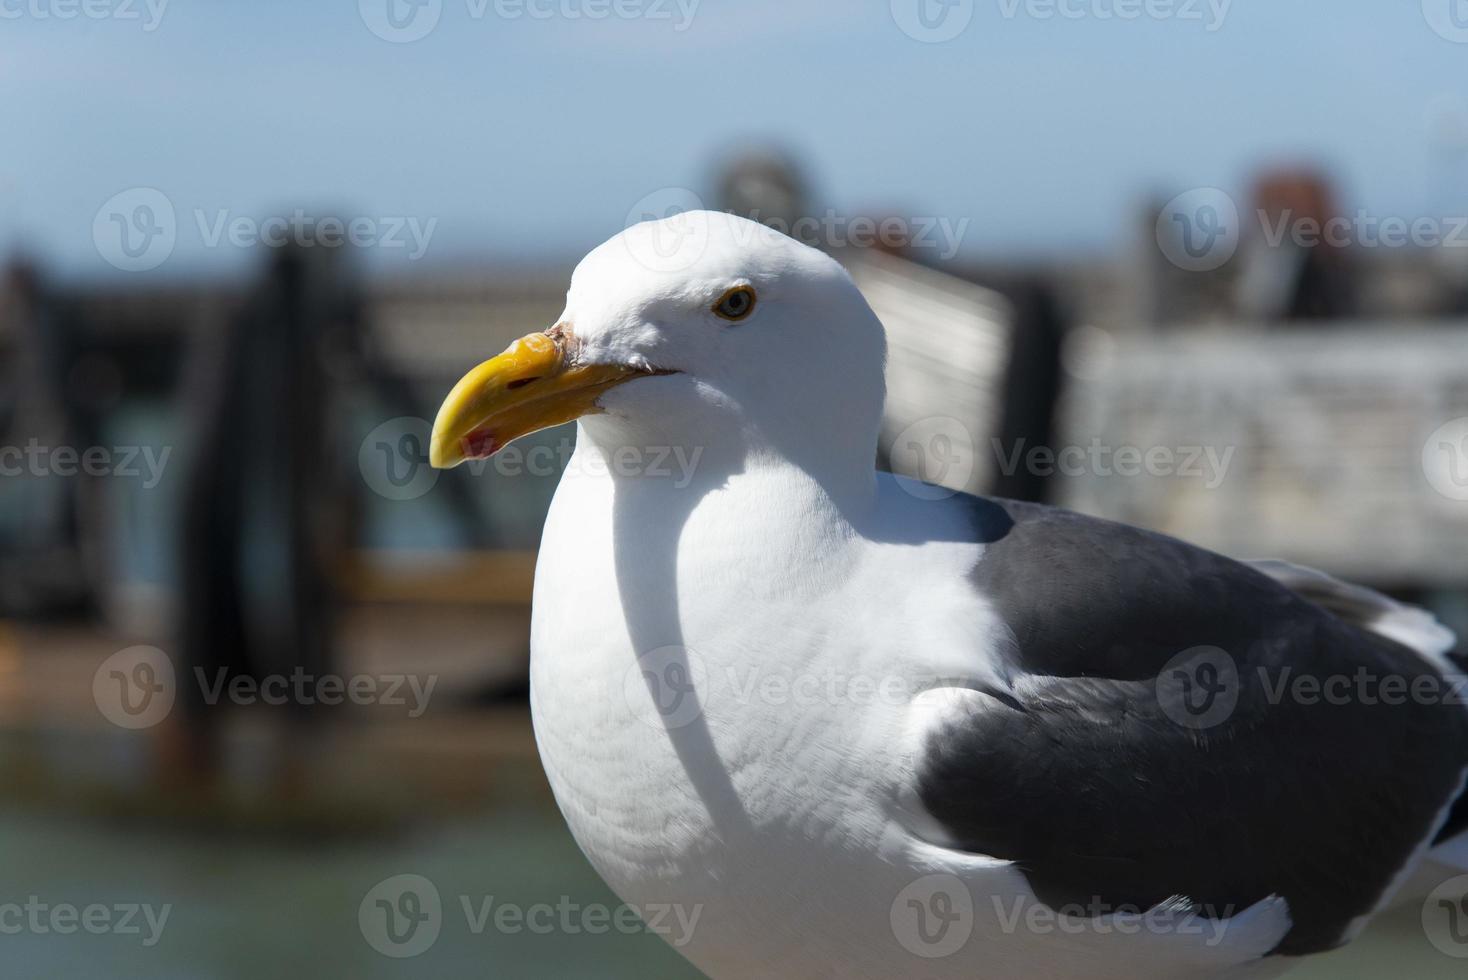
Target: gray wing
<point x="1128" y="770"/>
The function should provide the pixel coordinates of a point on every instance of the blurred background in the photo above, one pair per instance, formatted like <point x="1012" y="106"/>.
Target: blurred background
<point x="1199" y="265"/>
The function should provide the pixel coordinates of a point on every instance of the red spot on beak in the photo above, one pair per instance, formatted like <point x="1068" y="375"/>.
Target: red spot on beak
<point x="479" y="444"/>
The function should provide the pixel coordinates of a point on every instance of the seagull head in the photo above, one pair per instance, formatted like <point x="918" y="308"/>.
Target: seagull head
<point x="695" y="327"/>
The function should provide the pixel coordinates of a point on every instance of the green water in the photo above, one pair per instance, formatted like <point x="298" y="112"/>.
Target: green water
<point x="249" y="908"/>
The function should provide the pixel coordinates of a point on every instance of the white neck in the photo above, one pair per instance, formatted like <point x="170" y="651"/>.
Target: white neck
<point x="823" y="450"/>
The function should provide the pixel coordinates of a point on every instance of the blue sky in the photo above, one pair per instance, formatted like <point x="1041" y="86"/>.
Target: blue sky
<point x="533" y="136"/>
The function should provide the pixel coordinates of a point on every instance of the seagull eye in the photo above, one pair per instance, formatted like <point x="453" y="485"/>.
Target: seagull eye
<point x="736" y="304"/>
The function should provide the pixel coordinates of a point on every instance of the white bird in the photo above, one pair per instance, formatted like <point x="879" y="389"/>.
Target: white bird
<point x="857" y="731"/>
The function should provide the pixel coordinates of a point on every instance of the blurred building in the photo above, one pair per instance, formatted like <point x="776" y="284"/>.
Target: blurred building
<point x="1286" y="398"/>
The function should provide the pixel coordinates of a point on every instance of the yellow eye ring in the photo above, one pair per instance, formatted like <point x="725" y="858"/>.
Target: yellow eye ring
<point x="736" y="304"/>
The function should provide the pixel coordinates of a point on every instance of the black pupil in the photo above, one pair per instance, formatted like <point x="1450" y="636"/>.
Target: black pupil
<point x="736" y="303"/>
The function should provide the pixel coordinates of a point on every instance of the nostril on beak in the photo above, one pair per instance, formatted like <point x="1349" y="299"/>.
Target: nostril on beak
<point x="520" y="383"/>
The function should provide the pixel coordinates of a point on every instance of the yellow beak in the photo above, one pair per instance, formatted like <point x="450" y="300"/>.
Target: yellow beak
<point x="527" y="388"/>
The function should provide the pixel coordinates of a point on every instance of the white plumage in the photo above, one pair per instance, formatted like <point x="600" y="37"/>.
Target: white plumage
<point x="739" y="676"/>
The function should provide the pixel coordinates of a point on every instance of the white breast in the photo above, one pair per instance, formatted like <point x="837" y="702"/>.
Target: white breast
<point x="748" y="770"/>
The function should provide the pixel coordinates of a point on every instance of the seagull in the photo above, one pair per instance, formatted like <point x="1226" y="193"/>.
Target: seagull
<point x="847" y="726"/>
